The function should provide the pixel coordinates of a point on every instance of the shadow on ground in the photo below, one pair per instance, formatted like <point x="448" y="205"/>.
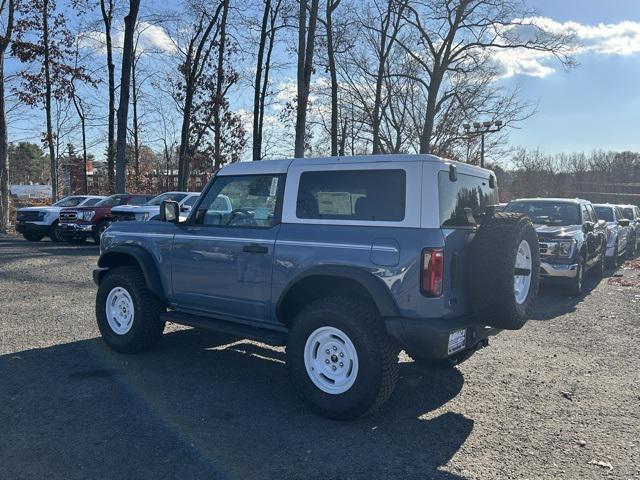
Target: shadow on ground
<point x="206" y="406"/>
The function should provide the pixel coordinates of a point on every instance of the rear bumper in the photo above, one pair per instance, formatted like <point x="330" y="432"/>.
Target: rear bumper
<point x="555" y="270"/>
<point x="429" y="338"/>
<point x="76" y="230"/>
<point x="32" y="228"/>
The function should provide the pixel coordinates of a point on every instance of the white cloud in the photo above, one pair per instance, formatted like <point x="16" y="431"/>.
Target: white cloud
<point x="151" y="37"/>
<point x="602" y="39"/>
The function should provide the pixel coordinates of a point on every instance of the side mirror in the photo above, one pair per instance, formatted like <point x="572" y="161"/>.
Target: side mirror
<point x="169" y="211"/>
<point x="623" y="223"/>
<point x="588" y="227"/>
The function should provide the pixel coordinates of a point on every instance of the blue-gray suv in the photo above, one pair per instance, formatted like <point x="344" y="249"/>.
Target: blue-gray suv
<point x="345" y="260"/>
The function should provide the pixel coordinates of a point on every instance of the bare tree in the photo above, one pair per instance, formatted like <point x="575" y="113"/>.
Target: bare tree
<point x="125" y="86"/>
<point x="107" y="8"/>
<point x="263" y="65"/>
<point x="332" y="5"/>
<point x="220" y="86"/>
<point x="7" y="9"/>
<point x="306" y="42"/>
<point x="450" y="37"/>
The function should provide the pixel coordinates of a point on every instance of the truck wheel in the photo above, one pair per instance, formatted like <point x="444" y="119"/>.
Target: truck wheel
<point x="340" y="359"/>
<point x="54" y="233"/>
<point x="577" y="283"/>
<point x="32" y="237"/>
<point x="599" y="268"/>
<point x="128" y="314"/>
<point x="504" y="271"/>
<point x="100" y="228"/>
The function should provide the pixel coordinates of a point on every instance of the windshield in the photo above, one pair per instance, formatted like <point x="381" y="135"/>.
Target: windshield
<point x="69" y="202"/>
<point x="627" y="213"/>
<point x="604" y="213"/>
<point x="547" y="213"/>
<point x="174" y="197"/>
<point x="112" y="201"/>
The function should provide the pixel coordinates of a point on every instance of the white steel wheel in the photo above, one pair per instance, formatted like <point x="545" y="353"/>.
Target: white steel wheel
<point x="331" y="360"/>
<point x="522" y="277"/>
<point x="119" y="310"/>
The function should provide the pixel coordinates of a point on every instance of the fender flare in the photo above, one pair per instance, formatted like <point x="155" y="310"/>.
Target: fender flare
<point x="142" y="258"/>
<point x="376" y="288"/>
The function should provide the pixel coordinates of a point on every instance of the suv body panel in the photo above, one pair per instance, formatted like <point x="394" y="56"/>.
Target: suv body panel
<point x="243" y="273"/>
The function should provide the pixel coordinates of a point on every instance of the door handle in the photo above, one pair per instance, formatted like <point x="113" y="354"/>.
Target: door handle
<point x="255" y="248"/>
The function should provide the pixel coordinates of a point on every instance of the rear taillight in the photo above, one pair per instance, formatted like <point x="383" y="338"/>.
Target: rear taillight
<point x="432" y="271"/>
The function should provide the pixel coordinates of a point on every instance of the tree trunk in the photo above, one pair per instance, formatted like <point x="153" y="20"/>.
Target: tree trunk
<point x="430" y="115"/>
<point x="107" y="17"/>
<point x="183" y="153"/>
<point x="136" y="128"/>
<point x="4" y="147"/>
<point x="217" y="121"/>
<point x="331" y="6"/>
<point x="125" y="86"/>
<point x="306" y="41"/>
<point x="257" y="137"/>
<point x="47" y="105"/>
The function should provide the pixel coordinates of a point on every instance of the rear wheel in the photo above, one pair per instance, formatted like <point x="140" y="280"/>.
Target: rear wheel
<point x="32" y="237"/>
<point x="128" y="314"/>
<point x="340" y="359"/>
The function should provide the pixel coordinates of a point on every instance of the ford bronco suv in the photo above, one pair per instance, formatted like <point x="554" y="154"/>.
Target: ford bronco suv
<point x="572" y="240"/>
<point x="345" y="260"/>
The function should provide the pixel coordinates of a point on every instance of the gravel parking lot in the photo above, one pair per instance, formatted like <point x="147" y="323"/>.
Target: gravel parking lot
<point x="557" y="399"/>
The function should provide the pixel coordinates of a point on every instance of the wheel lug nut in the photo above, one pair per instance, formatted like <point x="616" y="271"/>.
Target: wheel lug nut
<point x="341" y="364"/>
<point x="327" y="351"/>
<point x="333" y="367"/>
<point x="341" y="354"/>
<point x="335" y="349"/>
<point x="327" y="361"/>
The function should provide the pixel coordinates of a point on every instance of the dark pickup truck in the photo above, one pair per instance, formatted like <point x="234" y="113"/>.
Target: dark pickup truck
<point x="572" y="239"/>
<point x="78" y="224"/>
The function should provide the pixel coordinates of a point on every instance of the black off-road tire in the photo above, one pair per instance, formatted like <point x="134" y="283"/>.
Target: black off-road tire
<point x="101" y="227"/>
<point x="599" y="268"/>
<point x="32" y="237"/>
<point x="576" y="284"/>
<point x="491" y="270"/>
<point x="377" y="357"/>
<point x="54" y="233"/>
<point x="147" y="325"/>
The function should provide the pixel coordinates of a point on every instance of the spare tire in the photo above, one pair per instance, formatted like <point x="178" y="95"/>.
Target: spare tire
<point x="504" y="270"/>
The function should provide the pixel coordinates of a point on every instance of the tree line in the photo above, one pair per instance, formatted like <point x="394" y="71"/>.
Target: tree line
<point x="208" y="82"/>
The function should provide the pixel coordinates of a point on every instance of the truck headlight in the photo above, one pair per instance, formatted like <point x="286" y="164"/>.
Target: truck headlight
<point x="87" y="215"/>
<point x="564" y="248"/>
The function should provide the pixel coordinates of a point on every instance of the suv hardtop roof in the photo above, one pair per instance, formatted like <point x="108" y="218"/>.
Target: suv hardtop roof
<point x="282" y="166"/>
<point x="557" y="199"/>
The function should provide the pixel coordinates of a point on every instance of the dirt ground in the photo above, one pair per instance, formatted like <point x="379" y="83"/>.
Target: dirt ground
<point x="558" y="399"/>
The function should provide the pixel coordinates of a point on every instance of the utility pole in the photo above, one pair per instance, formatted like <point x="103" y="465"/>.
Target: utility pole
<point x="481" y="128"/>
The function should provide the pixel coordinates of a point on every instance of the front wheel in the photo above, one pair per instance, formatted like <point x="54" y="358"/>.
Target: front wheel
<point x="100" y="228"/>
<point x="54" y="233"/>
<point x="128" y="314"/>
<point x="576" y="286"/>
<point x="340" y="359"/>
<point x="32" y="237"/>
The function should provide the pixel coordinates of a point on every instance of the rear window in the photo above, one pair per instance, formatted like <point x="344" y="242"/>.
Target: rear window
<point x="372" y="195"/>
<point x="605" y="213"/>
<point x="467" y="192"/>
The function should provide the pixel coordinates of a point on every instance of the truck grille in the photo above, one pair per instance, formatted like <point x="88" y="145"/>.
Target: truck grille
<point x="70" y="216"/>
<point x="29" y="216"/>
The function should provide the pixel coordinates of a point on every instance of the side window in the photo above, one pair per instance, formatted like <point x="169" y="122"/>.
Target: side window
<point x="241" y="201"/>
<point x="137" y="200"/>
<point x="91" y="202"/>
<point x="585" y="214"/>
<point x="467" y="192"/>
<point x="191" y="201"/>
<point x="592" y="213"/>
<point x="373" y="195"/>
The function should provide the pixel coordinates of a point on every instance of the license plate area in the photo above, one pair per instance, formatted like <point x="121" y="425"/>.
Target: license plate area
<point x="457" y="341"/>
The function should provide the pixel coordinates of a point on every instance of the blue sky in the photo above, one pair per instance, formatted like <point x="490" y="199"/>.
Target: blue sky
<point x="595" y="105"/>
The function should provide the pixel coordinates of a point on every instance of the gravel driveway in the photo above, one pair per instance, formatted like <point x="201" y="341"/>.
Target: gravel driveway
<point x="557" y="399"/>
